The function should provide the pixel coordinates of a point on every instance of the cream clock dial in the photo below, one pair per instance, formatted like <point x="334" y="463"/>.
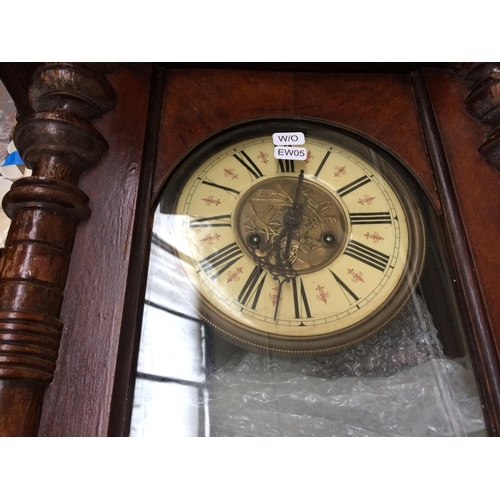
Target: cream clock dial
<point x="293" y="256"/>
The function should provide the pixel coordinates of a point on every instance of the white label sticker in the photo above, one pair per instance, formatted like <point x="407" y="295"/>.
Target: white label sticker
<point x="288" y="138"/>
<point x="290" y="153"/>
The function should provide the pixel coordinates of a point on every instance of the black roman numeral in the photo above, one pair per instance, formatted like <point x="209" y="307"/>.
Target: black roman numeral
<point x="370" y="217"/>
<point x="247" y="162"/>
<point x="322" y="163"/>
<point x="365" y="254"/>
<point x="220" y="186"/>
<point x="300" y="303"/>
<point x="345" y="287"/>
<point x="221" y="260"/>
<point x="352" y="186"/>
<point x="287" y="165"/>
<point x="252" y="288"/>
<point x="216" y="221"/>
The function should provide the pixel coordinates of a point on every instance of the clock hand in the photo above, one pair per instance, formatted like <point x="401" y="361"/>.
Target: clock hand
<point x="278" y="295"/>
<point x="293" y="216"/>
<point x="284" y="266"/>
<point x="272" y="256"/>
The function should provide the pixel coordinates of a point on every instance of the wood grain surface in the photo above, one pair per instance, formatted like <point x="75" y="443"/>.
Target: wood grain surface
<point x="476" y="183"/>
<point x="78" y="401"/>
<point x="199" y="102"/>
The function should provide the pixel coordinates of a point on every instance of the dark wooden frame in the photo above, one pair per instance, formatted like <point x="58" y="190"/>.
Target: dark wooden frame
<point x="482" y="344"/>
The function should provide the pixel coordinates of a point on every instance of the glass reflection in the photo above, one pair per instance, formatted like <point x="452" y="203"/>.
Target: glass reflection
<point x="400" y="382"/>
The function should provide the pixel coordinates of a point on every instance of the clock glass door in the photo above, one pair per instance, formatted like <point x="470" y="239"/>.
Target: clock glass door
<point x="298" y="286"/>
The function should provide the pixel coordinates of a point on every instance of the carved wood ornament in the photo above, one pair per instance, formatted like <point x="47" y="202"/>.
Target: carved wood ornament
<point x="58" y="142"/>
<point x="483" y="102"/>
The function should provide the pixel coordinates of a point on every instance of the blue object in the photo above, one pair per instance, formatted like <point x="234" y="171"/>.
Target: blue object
<point x="13" y="159"/>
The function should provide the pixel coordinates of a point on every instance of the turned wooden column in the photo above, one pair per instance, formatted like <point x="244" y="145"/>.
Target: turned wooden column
<point x="58" y="142"/>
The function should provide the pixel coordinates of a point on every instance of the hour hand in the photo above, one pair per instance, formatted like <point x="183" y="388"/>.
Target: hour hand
<point x="278" y="295"/>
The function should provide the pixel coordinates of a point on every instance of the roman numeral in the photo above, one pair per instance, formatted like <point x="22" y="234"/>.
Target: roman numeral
<point x="365" y="254"/>
<point x="221" y="260"/>
<point x="370" y="218"/>
<point x="322" y="163"/>
<point x="344" y="287"/>
<point x="247" y="162"/>
<point x="352" y="186"/>
<point x="300" y="303"/>
<point x="252" y="288"/>
<point x="220" y="186"/>
<point x="216" y="221"/>
<point x="287" y="165"/>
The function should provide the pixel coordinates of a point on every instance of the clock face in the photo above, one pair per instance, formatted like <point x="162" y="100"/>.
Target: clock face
<point x="293" y="256"/>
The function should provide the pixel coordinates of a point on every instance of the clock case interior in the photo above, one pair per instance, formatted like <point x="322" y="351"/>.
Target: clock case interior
<point x="435" y="287"/>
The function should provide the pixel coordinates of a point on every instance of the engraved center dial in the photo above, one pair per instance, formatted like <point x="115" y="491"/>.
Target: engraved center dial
<point x="318" y="236"/>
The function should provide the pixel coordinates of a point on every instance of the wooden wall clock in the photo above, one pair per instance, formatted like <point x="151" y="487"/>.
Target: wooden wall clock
<point x="165" y="116"/>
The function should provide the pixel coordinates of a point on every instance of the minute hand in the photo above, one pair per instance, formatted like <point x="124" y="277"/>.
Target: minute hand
<point x="293" y="216"/>
<point x="284" y="267"/>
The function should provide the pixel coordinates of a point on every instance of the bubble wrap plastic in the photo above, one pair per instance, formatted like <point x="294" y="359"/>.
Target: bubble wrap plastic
<point x="397" y="383"/>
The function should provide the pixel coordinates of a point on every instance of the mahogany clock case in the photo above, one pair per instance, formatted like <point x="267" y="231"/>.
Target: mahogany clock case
<point x="161" y="114"/>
